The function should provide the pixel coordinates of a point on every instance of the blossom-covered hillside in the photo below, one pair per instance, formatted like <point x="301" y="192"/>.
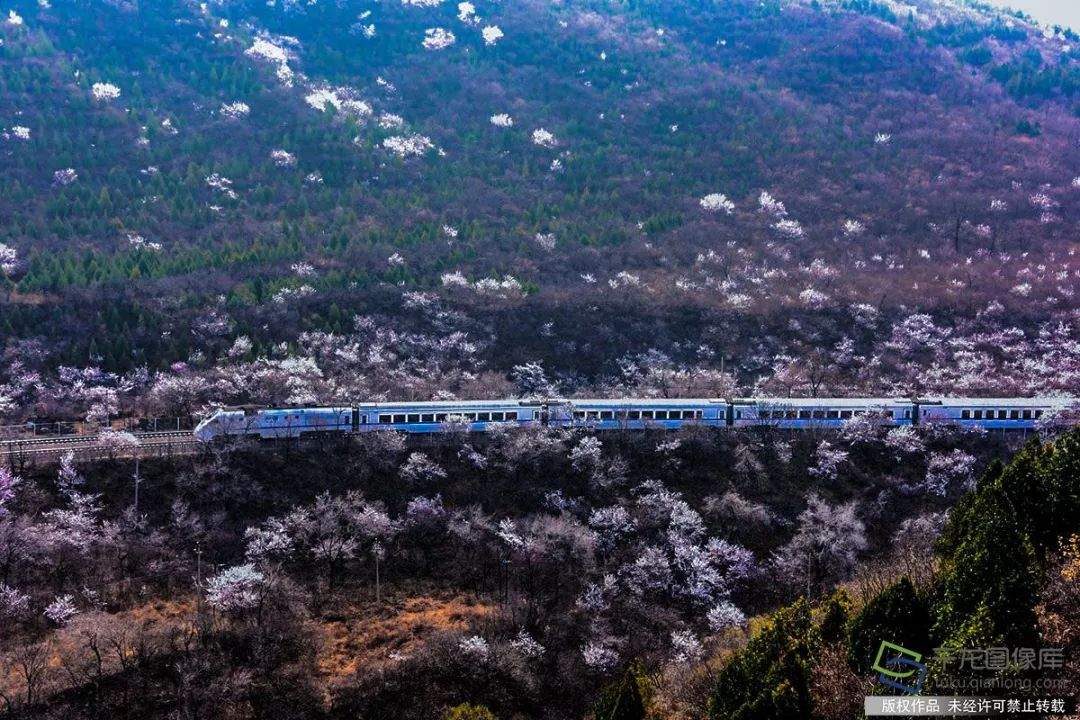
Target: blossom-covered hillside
<point x="237" y="200"/>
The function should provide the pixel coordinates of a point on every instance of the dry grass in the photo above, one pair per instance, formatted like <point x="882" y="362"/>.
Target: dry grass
<point x="363" y="634"/>
<point x="62" y="648"/>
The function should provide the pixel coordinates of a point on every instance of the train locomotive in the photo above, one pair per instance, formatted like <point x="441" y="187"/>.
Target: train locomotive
<point x="629" y="414"/>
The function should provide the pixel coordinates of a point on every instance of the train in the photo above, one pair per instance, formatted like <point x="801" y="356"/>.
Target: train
<point x="628" y="414"/>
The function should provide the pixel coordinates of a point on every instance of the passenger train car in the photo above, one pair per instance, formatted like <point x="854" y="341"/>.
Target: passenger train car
<point x="631" y="414"/>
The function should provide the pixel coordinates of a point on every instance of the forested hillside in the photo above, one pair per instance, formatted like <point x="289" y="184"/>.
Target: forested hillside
<point x="536" y="573"/>
<point x="395" y="198"/>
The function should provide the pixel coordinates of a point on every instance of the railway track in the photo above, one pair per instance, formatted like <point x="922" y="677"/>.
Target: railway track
<point x="149" y="442"/>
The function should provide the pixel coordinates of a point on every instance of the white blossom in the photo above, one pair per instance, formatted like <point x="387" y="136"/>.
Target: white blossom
<point x="725" y="615"/>
<point x="65" y="176"/>
<point x="791" y="228"/>
<point x="266" y="50"/>
<point x="812" y="297"/>
<point x="475" y="648"/>
<point x="408" y="145"/>
<point x="853" y="228"/>
<point x="117" y="442"/>
<point x="829" y="460"/>
<point x="20" y="132"/>
<point x="1042" y="201"/>
<point x="61" y="610"/>
<point x="882" y="139"/>
<point x="771" y="205"/>
<point x="686" y="648"/>
<point x="599" y="656"/>
<point x="717" y="202"/>
<point x="492" y="34"/>
<point x="236" y="589"/>
<point x="390" y="121"/>
<point x="235" y="110"/>
<point x="467" y="12"/>
<point x="283" y="158"/>
<point x="9" y="259"/>
<point x="546" y="241"/>
<point x="526" y="646"/>
<point x="221" y="184"/>
<point x="14" y="18"/>
<point x="543" y="138"/>
<point x="502" y="120"/>
<point x="12" y="602"/>
<point x="438" y="38"/>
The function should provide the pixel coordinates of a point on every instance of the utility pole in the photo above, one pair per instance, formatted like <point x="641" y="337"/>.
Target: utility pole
<point x="198" y="576"/>
<point x="379" y="552"/>
<point x="138" y="480"/>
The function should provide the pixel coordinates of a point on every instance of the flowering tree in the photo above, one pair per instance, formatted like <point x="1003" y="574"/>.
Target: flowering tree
<point x="825" y="547"/>
<point x="237" y="590"/>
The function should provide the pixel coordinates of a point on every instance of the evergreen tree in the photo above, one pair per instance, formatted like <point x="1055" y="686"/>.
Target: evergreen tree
<point x="898" y="614"/>
<point x="623" y="700"/>
<point x="769" y="679"/>
<point x="468" y="711"/>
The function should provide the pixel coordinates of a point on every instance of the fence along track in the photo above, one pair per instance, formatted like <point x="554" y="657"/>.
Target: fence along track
<point x="151" y="444"/>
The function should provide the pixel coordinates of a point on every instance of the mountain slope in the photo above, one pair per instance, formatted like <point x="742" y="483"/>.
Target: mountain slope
<point x="293" y="164"/>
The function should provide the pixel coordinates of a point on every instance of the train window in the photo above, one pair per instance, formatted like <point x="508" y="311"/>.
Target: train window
<point x="977" y="414"/>
<point x="738" y="414"/>
<point x="965" y="414"/>
<point x="1002" y="414"/>
<point x="512" y="415"/>
<point x="399" y="419"/>
<point x="427" y="417"/>
<point x="907" y="414"/>
<point x="845" y="414"/>
<point x="413" y="417"/>
<point x="633" y="415"/>
<point x="1014" y="414"/>
<point x="819" y="414"/>
<point x="646" y="414"/>
<point x="859" y="413"/>
<point x="483" y="417"/>
<point x="579" y="414"/>
<point x="607" y="415"/>
<point x="440" y="417"/>
<point x="1038" y="413"/>
<point x="384" y="419"/>
<point x="1027" y="414"/>
<point x="661" y="414"/>
<point x="804" y="414"/>
<point x="833" y="414"/>
<point x="688" y="414"/>
<point x="887" y="414"/>
<point x="498" y="417"/>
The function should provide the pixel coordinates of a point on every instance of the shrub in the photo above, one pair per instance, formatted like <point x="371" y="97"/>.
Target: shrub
<point x="623" y="700"/>
<point x="770" y="677"/>
<point x="897" y="614"/>
<point x="467" y="711"/>
<point x="834" y="617"/>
